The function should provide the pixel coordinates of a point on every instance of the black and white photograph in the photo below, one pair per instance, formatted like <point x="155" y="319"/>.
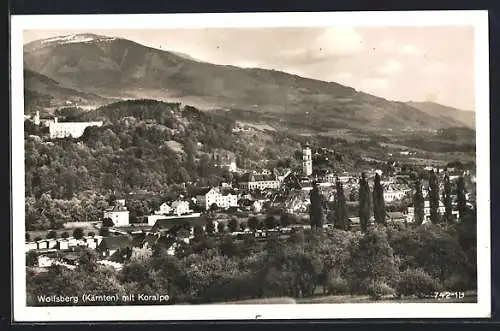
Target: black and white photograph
<point x="250" y="166"/>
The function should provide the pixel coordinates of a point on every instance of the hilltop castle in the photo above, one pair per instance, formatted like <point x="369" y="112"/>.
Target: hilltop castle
<point x="64" y="129"/>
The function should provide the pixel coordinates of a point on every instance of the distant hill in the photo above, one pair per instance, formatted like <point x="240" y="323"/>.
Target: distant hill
<point x="466" y="118"/>
<point x="42" y="91"/>
<point x="120" y="68"/>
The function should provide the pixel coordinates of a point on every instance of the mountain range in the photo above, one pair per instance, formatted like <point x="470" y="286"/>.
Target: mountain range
<point x="97" y="70"/>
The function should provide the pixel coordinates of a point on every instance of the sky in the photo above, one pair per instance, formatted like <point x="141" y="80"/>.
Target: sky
<point x="398" y="63"/>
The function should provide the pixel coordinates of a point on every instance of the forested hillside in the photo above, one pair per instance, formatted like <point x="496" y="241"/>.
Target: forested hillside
<point x="144" y="146"/>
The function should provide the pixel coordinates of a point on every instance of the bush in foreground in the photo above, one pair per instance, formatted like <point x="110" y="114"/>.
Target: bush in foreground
<point x="377" y="290"/>
<point x="416" y="282"/>
<point x="337" y="285"/>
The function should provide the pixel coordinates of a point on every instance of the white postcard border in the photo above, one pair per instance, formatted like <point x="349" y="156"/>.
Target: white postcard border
<point x="479" y="19"/>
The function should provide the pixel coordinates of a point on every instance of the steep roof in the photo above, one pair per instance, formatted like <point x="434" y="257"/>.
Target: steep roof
<point x="200" y="191"/>
<point x="165" y="224"/>
<point x="228" y="190"/>
<point x="249" y="177"/>
<point x="116" y="242"/>
<point x="117" y="208"/>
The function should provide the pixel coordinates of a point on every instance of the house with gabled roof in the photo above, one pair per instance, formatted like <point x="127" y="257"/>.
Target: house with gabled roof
<point x="109" y="246"/>
<point x="251" y="181"/>
<point x="167" y="224"/>
<point x="118" y="214"/>
<point x="220" y="197"/>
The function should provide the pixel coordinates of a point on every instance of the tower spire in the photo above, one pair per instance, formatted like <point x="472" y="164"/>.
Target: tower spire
<point x="306" y="161"/>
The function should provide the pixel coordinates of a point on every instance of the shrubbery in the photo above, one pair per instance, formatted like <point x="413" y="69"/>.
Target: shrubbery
<point x="337" y="285"/>
<point x="378" y="289"/>
<point x="416" y="282"/>
<point x="215" y="269"/>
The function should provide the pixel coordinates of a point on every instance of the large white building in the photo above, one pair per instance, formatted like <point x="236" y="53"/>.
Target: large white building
<point x="118" y="214"/>
<point x="394" y="192"/>
<point x="69" y="129"/>
<point x="258" y="182"/>
<point x="216" y="196"/>
<point x="307" y="161"/>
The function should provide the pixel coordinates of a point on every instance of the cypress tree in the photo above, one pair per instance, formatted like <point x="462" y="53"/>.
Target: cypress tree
<point x="447" y="200"/>
<point x="315" y="208"/>
<point x="364" y="203"/>
<point x="434" y="197"/>
<point x="461" y="201"/>
<point x="340" y="213"/>
<point x="378" y="201"/>
<point x="418" y="202"/>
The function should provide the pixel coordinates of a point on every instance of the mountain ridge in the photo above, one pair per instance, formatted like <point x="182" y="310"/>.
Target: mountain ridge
<point x="120" y="68"/>
<point x="41" y="91"/>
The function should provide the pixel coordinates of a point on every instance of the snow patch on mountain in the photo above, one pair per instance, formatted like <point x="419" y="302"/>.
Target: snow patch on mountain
<point x="76" y="38"/>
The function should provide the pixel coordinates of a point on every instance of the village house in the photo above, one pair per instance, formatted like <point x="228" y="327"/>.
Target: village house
<point x="111" y="245"/>
<point x="152" y="219"/>
<point x="90" y="242"/>
<point x="222" y="198"/>
<point x="394" y="192"/>
<point x="167" y="223"/>
<point x="30" y="246"/>
<point x="42" y="244"/>
<point x="72" y="242"/>
<point x="180" y="207"/>
<point x="164" y="209"/>
<point x="63" y="244"/>
<point x="51" y="243"/>
<point x="118" y="214"/>
<point x="258" y="182"/>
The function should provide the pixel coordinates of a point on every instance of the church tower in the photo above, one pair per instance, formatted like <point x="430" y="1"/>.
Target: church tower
<point x="306" y="161"/>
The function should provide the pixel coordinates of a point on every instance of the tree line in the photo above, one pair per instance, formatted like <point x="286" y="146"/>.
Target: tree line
<point x="383" y="261"/>
<point x="372" y="202"/>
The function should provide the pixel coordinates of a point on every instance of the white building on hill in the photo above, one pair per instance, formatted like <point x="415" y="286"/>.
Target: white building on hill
<point x="69" y="129"/>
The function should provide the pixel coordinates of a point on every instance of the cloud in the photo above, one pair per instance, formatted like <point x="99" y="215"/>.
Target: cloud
<point x="328" y="43"/>
<point x="339" y="42"/>
<point x="409" y="49"/>
<point x="390" y="67"/>
<point x="373" y="84"/>
<point x="387" y="45"/>
<point x="434" y="67"/>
